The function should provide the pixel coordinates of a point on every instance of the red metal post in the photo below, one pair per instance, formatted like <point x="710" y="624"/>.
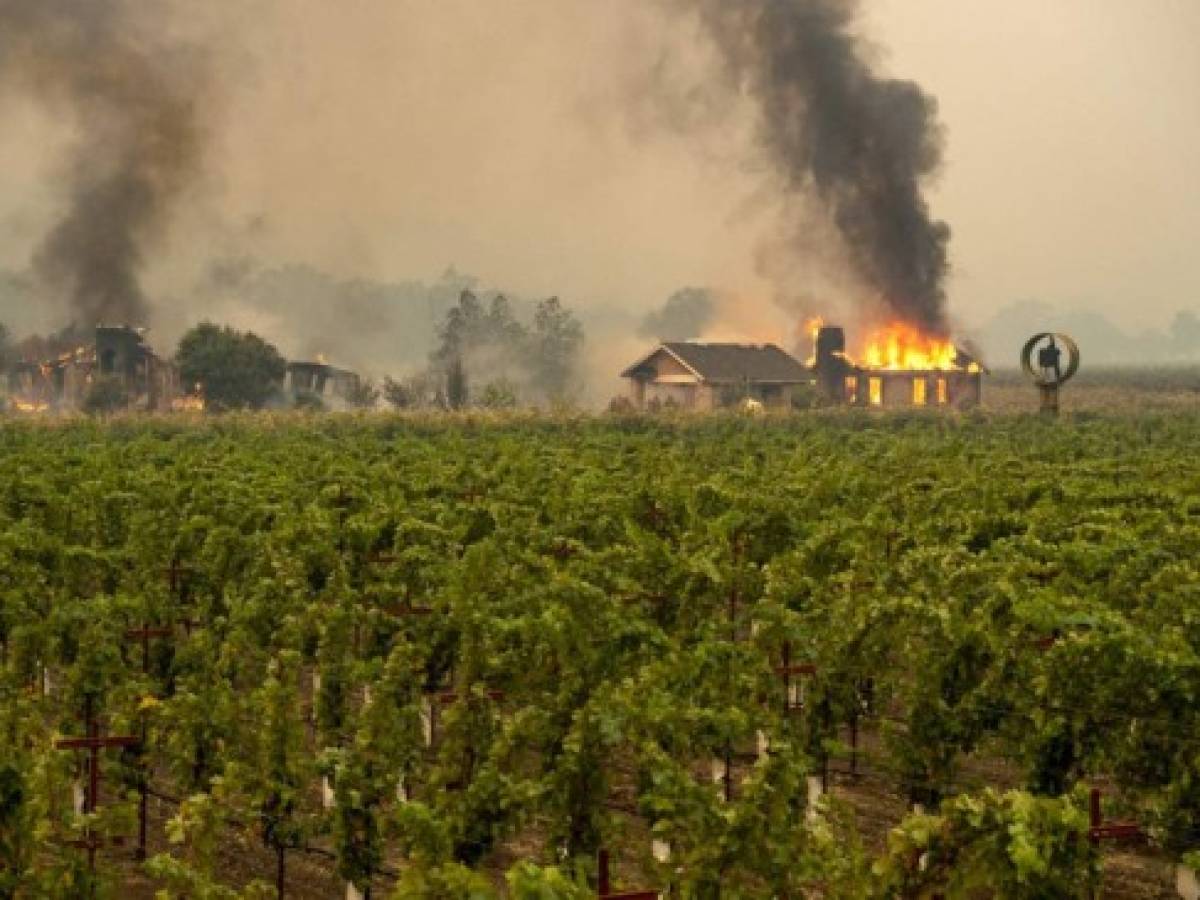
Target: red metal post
<point x="603" y="878"/>
<point x="854" y="744"/>
<point x="1110" y="831"/>
<point x="93" y="743"/>
<point x="144" y="634"/>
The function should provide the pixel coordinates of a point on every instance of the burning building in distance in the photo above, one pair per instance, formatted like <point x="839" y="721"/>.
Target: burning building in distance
<point x="119" y="359"/>
<point x="899" y="368"/>
<point x="62" y="382"/>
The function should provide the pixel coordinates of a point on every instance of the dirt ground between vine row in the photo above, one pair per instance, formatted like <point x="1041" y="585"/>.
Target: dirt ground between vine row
<point x="1131" y="873"/>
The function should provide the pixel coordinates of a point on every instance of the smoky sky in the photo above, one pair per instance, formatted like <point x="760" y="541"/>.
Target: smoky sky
<point x="863" y="144"/>
<point x="684" y="316"/>
<point x="384" y="140"/>
<point x="133" y="98"/>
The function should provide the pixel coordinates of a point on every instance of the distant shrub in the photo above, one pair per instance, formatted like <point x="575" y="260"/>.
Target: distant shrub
<point x="308" y="401"/>
<point x="107" y="395"/>
<point x="499" y="394"/>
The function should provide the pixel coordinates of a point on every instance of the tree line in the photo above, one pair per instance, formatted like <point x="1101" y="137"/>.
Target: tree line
<point x="485" y="357"/>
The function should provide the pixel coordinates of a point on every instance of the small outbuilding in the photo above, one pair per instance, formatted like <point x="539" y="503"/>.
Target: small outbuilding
<point x="703" y="377"/>
<point x="320" y="380"/>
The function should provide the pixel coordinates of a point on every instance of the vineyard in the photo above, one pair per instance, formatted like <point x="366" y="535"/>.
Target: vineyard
<point x="820" y="656"/>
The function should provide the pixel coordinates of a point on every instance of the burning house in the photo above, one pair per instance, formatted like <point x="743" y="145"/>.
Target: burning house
<point x="321" y="381"/>
<point x="899" y="368"/>
<point x="710" y="376"/>
<point x="62" y="383"/>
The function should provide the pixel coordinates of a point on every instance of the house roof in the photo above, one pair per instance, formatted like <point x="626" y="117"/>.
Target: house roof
<point x="730" y="363"/>
<point x="309" y="366"/>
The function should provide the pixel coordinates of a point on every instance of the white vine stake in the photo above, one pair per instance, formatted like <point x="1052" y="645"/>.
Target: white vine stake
<point x="718" y="770"/>
<point x="77" y="797"/>
<point x="1187" y="884"/>
<point x="327" y="794"/>
<point x="427" y="721"/>
<point x="815" y="793"/>
<point x="353" y="893"/>
<point x="401" y="790"/>
<point x="762" y="745"/>
<point x="795" y="694"/>
<point x="661" y="850"/>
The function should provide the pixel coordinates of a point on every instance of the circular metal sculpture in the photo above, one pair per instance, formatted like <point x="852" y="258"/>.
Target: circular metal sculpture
<point x="1042" y="360"/>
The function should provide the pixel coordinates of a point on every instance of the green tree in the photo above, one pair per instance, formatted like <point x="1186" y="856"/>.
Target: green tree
<point x="398" y="394"/>
<point x="472" y="328"/>
<point x="236" y="370"/>
<point x="414" y="391"/>
<point x="556" y="342"/>
<point x="498" y="394"/>
<point x="457" y="391"/>
<point x="364" y="394"/>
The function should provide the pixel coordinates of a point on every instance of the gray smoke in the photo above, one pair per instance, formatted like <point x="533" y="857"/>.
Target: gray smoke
<point x="683" y="317"/>
<point x="134" y="98"/>
<point x="863" y="144"/>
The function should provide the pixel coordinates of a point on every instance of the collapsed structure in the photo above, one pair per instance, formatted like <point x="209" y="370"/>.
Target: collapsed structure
<point x="320" y="381"/>
<point x="61" y="384"/>
<point x="147" y="382"/>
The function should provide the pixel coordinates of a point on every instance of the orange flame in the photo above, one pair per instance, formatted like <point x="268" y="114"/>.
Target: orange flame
<point x="903" y="346"/>
<point x="193" y="402"/>
<point x="25" y="406"/>
<point x="187" y="404"/>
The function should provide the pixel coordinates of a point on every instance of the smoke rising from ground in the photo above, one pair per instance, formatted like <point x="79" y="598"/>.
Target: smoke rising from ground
<point x="134" y="99"/>
<point x="370" y="145"/>
<point x="865" y="145"/>
<point x="685" y="315"/>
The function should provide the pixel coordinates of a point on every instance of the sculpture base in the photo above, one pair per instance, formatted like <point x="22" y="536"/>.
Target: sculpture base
<point x="1049" y="394"/>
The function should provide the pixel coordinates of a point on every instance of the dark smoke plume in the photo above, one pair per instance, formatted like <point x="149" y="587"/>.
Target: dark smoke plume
<point x="865" y="145"/>
<point x="133" y="98"/>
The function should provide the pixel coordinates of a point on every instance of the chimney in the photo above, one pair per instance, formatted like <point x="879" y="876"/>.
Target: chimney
<point x="831" y="367"/>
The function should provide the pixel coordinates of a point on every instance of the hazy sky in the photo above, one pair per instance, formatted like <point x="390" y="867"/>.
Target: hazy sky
<point x="1073" y="154"/>
<point x="517" y="140"/>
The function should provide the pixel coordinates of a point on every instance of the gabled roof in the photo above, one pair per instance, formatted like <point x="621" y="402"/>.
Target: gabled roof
<point x="730" y="363"/>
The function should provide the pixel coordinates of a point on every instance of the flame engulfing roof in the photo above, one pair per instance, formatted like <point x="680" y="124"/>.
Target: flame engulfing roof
<point x="729" y="363"/>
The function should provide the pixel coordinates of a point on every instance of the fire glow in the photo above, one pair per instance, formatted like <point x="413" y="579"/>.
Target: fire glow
<point x="23" y="406"/>
<point x="899" y="366"/>
<point x="902" y="347"/>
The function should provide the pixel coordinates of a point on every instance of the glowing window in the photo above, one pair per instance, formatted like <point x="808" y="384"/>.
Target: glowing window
<point x="875" y="392"/>
<point x="919" y="391"/>
<point x="851" y="388"/>
<point x="943" y="392"/>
